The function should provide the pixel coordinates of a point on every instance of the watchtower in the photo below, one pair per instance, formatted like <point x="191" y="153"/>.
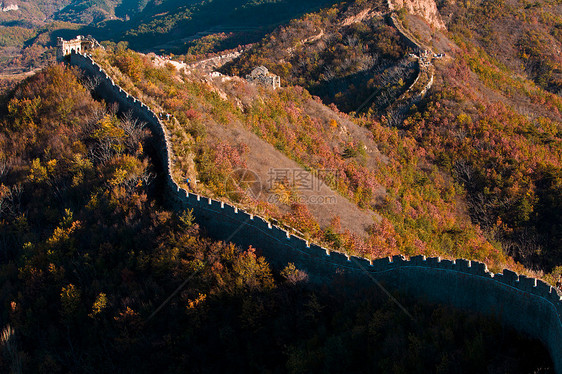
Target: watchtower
<point x="262" y="76"/>
<point x="79" y="44"/>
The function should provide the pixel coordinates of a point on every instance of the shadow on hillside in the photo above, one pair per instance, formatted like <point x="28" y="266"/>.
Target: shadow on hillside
<point x="155" y="25"/>
<point x="375" y="89"/>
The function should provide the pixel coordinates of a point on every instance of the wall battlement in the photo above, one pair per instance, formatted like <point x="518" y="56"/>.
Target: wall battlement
<point x="527" y="304"/>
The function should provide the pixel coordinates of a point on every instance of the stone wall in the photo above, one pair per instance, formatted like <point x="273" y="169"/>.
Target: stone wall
<point x="397" y="111"/>
<point x="215" y="62"/>
<point x="260" y="75"/>
<point x="527" y="304"/>
<point x="79" y="45"/>
<point x="410" y="40"/>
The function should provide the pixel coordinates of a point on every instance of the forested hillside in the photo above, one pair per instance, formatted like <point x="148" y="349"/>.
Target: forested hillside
<point x="495" y="123"/>
<point x="172" y="26"/>
<point x="525" y="37"/>
<point x="98" y="275"/>
<point x="389" y="198"/>
<point x="27" y="13"/>
<point x="491" y="122"/>
<point x="88" y="257"/>
<point x="28" y="34"/>
<point x="344" y="54"/>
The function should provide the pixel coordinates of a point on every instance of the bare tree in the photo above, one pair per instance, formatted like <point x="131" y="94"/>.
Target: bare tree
<point x="10" y="200"/>
<point x="524" y="246"/>
<point x="7" y="340"/>
<point x="91" y="82"/>
<point x="134" y="129"/>
<point x="133" y="181"/>
<point x="329" y="73"/>
<point x="351" y="40"/>
<point x="3" y="168"/>
<point x="101" y="152"/>
<point x="463" y="172"/>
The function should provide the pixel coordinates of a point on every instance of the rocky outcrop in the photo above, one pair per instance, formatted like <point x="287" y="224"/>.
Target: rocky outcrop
<point x="427" y="9"/>
<point x="6" y="7"/>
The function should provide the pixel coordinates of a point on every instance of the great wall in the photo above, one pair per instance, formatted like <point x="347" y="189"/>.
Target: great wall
<point x="398" y="110"/>
<point x="527" y="304"/>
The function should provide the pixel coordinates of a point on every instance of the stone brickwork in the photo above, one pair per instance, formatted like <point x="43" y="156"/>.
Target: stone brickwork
<point x="261" y="75"/>
<point x="80" y="44"/>
<point x="215" y="62"/>
<point x="396" y="112"/>
<point x="527" y="304"/>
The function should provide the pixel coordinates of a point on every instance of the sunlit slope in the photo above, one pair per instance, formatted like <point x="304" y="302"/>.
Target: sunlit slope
<point x="220" y="124"/>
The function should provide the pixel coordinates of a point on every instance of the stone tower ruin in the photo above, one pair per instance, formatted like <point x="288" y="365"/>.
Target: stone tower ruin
<point x="80" y="44"/>
<point x="261" y="75"/>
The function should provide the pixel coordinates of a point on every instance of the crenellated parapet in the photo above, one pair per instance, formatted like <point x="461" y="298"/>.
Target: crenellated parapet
<point x="527" y="304"/>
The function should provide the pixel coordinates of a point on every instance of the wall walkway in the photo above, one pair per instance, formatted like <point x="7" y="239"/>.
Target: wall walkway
<point x="527" y="304"/>
<point x="398" y="110"/>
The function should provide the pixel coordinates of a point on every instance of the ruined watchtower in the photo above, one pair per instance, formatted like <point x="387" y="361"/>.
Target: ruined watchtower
<point x="79" y="45"/>
<point x="262" y="76"/>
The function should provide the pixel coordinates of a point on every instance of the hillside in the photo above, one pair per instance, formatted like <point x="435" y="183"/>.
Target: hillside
<point x="28" y="13"/>
<point x="375" y="185"/>
<point x="491" y="121"/>
<point x="371" y="147"/>
<point x="89" y="256"/>
<point x="525" y="37"/>
<point x="24" y="50"/>
<point x="174" y="26"/>
<point x="343" y="54"/>
<point x="28" y="34"/>
<point x="494" y="121"/>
